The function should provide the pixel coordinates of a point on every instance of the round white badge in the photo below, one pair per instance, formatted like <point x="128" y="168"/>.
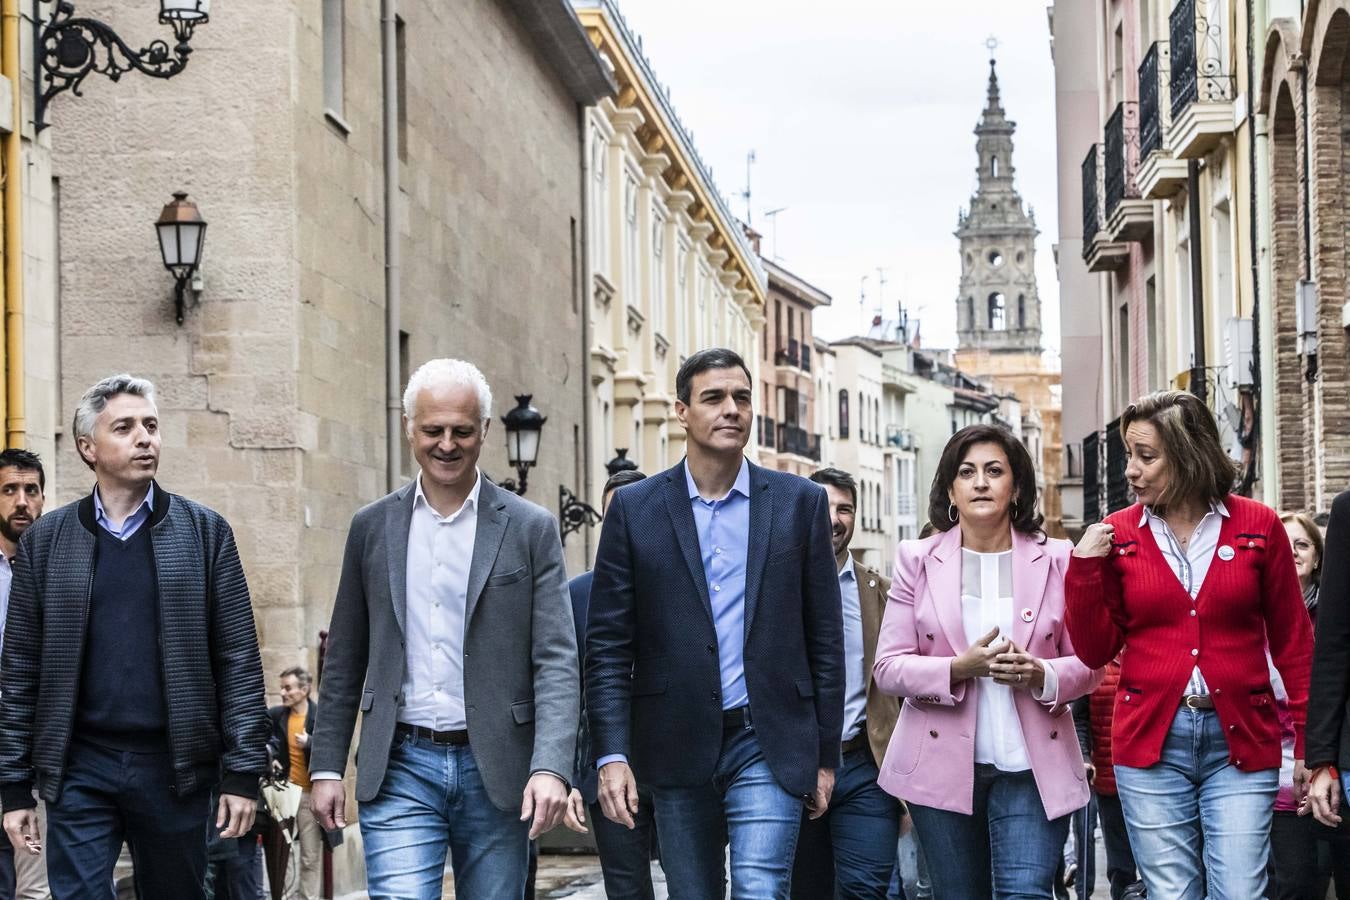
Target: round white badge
<point x="1226" y="553"/>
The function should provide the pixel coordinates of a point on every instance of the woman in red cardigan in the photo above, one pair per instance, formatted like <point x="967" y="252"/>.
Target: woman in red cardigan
<point x="1189" y="586"/>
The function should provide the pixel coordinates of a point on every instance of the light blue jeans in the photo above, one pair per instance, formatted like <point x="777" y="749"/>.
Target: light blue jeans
<point x="1198" y="825"/>
<point x="744" y="805"/>
<point x="432" y="800"/>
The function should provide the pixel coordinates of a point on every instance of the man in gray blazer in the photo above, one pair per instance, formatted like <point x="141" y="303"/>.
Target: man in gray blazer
<point x="452" y="635"/>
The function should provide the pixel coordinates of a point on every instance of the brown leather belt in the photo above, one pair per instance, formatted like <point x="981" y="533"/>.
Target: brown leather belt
<point x="453" y="738"/>
<point x="1197" y="701"/>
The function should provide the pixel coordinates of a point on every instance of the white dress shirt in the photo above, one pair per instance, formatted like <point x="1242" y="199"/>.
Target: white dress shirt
<point x="1192" y="564"/>
<point x="440" y="549"/>
<point x="6" y="582"/>
<point x="855" y="679"/>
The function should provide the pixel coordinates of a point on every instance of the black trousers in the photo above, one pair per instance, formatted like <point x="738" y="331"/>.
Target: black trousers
<point x="1120" y="868"/>
<point x="113" y="796"/>
<point x="1305" y="857"/>
<point x="7" y="874"/>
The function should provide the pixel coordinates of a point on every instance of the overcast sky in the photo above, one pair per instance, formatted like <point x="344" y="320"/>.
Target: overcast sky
<point x="860" y="113"/>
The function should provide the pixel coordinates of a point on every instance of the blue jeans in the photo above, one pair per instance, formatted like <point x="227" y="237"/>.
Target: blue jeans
<point x="743" y="804"/>
<point x="1198" y="825"/>
<point x="626" y="856"/>
<point x="850" y="852"/>
<point x="1005" y="849"/>
<point x="7" y="874"/>
<point x="432" y="799"/>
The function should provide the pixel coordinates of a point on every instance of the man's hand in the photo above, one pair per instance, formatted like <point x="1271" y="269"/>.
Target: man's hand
<point x="1301" y="778"/>
<point x="328" y="802"/>
<point x="544" y="802"/>
<point x="618" y="794"/>
<point x="575" y="819"/>
<point x="820" y="800"/>
<point x="235" y="815"/>
<point x="1090" y="771"/>
<point x="975" y="662"/>
<point x="1324" y="799"/>
<point x="22" y="827"/>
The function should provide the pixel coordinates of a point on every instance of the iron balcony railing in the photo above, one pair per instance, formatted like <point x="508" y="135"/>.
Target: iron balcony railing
<point x="1092" y="192"/>
<point x="1117" y="489"/>
<point x="787" y="356"/>
<point x="792" y="439"/>
<point x="1092" y="502"/>
<point x="1195" y="32"/>
<point x="767" y="432"/>
<point x="1122" y="155"/>
<point x="1151" y="72"/>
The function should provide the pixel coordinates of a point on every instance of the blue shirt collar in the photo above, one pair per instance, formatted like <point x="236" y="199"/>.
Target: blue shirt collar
<point x="148" y="504"/>
<point x="741" y="486"/>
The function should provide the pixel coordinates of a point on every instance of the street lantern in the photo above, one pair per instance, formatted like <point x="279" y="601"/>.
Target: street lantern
<point x="523" y="426"/>
<point x="70" y="46"/>
<point x="620" y="462"/>
<point x="182" y="236"/>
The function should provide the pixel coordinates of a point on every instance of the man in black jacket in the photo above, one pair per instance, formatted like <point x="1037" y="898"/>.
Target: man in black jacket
<point x="292" y="725"/>
<point x="1328" y="730"/>
<point x="130" y="619"/>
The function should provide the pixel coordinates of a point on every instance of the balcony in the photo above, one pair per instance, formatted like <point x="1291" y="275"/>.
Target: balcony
<point x="898" y="438"/>
<point x="767" y="432"/>
<point x="1161" y="174"/>
<point x="1202" y="90"/>
<point x="806" y="357"/>
<point x="799" y="442"/>
<point x="1128" y="216"/>
<point x="1099" y="252"/>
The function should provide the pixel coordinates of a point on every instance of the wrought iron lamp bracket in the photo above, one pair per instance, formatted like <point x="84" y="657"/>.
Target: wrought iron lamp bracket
<point x="67" y="48"/>
<point x="573" y="514"/>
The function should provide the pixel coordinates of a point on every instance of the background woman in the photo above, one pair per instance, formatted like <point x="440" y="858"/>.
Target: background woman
<point x="973" y="639"/>
<point x="1192" y="582"/>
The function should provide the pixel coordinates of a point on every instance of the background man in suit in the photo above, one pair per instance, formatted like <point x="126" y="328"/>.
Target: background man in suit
<point x="453" y="636"/>
<point x="851" y="850"/>
<point x="625" y="854"/>
<point x="714" y="658"/>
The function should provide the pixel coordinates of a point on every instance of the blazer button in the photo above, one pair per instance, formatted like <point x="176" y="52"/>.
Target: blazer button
<point x="712" y="648"/>
<point x="872" y="583"/>
<point x="1054" y="735"/>
<point x="929" y="636"/>
<point x="932" y="734"/>
<point x="714" y="695"/>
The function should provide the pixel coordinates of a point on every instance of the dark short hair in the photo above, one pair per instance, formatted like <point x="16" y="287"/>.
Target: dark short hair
<point x="1024" y="515"/>
<point x="25" y="461"/>
<point x="837" y="478"/>
<point x="619" y="479"/>
<point x="1322" y="519"/>
<point x="703" y="361"/>
<point x="299" y="673"/>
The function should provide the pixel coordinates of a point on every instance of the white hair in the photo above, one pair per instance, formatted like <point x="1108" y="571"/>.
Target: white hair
<point x="448" y="373"/>
<point x="95" y="400"/>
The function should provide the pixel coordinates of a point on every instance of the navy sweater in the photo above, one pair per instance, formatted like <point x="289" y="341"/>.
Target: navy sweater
<point x="121" y="700"/>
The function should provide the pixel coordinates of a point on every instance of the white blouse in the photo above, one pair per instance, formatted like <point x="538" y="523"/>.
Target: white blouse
<point x="986" y="602"/>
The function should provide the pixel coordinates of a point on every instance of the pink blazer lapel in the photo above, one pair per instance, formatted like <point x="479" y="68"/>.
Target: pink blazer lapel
<point x="943" y="569"/>
<point x="1031" y="566"/>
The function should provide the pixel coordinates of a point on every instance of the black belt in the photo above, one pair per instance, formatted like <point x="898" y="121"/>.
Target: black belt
<point x="455" y="738"/>
<point x="858" y="741"/>
<point x="1197" y="701"/>
<point x="736" y="719"/>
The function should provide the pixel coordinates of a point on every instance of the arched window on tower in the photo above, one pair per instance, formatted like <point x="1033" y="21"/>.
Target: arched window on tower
<point x="997" y="321"/>
<point x="1021" y="311"/>
<point x="993" y="165"/>
<point x="970" y="312"/>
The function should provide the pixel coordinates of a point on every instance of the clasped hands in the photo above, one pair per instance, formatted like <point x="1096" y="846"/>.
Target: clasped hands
<point x="1004" y="662"/>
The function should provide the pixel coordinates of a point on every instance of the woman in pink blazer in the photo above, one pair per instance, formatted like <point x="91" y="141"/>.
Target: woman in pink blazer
<point x="973" y="638"/>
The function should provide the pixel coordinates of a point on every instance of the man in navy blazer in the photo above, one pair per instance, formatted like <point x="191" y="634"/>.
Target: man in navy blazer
<point x="714" y="649"/>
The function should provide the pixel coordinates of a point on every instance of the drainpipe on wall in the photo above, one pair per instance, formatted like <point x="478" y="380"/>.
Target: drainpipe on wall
<point x="1256" y="136"/>
<point x="584" y="248"/>
<point x="392" y="300"/>
<point x="1198" y="386"/>
<point x="14" y="421"/>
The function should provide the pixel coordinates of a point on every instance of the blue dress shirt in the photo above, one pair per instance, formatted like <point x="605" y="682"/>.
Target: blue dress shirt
<point x="133" y="522"/>
<point x="723" y="527"/>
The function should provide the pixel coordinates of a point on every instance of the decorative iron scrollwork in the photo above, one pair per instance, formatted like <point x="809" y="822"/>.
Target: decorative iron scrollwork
<point x="69" y="47"/>
<point x="573" y="514"/>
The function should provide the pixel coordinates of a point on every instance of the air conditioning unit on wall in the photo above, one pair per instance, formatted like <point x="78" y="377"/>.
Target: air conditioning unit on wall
<point x="1237" y="351"/>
